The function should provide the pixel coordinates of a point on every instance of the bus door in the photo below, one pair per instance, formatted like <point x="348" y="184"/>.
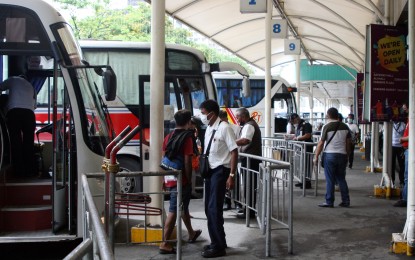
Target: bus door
<point x="64" y="166"/>
<point x="172" y="103"/>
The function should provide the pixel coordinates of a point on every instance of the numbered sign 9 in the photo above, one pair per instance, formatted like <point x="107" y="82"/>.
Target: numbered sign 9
<point x="292" y="47"/>
<point x="279" y="28"/>
<point x="253" y="6"/>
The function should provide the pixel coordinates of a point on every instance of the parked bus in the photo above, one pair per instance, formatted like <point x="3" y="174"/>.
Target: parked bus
<point x="229" y="88"/>
<point x="188" y="82"/>
<point x="75" y="126"/>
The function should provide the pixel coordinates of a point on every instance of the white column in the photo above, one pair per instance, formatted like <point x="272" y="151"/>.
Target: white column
<point x="297" y="82"/>
<point x="268" y="25"/>
<point x="157" y="61"/>
<point x="387" y="153"/>
<point x="311" y="101"/>
<point x="374" y="147"/>
<point x="411" y="143"/>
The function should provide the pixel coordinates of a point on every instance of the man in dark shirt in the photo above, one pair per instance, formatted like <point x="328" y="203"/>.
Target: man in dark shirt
<point x="303" y="132"/>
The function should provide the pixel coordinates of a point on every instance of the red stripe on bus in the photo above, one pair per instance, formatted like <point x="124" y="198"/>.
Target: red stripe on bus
<point x="231" y="116"/>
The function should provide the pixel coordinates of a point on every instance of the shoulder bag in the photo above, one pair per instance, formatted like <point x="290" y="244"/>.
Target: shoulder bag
<point x="204" y="159"/>
<point x="323" y="154"/>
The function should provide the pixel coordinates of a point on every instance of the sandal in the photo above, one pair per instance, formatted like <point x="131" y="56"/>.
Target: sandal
<point x="167" y="252"/>
<point x="197" y="234"/>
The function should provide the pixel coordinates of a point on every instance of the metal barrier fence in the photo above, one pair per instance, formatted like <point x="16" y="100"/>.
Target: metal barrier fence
<point x="266" y="190"/>
<point x="299" y="154"/>
<point x="97" y="244"/>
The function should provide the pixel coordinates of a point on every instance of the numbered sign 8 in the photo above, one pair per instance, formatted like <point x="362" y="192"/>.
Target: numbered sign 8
<point x="279" y="28"/>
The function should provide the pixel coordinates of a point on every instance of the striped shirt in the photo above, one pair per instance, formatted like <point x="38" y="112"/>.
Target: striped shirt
<point x="338" y="143"/>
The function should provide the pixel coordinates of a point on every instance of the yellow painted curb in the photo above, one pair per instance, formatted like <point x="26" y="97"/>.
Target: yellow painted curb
<point x="398" y="244"/>
<point x="379" y="191"/>
<point x="150" y="235"/>
<point x="382" y="191"/>
<point x="410" y="250"/>
<point x="378" y="169"/>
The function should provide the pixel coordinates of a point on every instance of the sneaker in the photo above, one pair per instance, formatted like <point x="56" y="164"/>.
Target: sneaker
<point x="325" y="205"/>
<point x="400" y="203"/>
<point x="344" y="205"/>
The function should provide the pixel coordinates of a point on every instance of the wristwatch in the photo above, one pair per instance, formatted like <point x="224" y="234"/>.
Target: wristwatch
<point x="232" y="175"/>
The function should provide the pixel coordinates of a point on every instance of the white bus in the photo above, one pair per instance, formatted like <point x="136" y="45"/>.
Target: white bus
<point x="34" y="36"/>
<point x="229" y="88"/>
<point x="188" y="82"/>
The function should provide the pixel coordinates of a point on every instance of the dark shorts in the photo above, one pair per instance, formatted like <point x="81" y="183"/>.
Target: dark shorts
<point x="186" y="194"/>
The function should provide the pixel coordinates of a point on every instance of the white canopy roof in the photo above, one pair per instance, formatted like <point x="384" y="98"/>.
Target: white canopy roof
<point x="330" y="30"/>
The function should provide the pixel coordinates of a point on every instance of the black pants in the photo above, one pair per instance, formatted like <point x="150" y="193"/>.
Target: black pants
<point x="351" y="155"/>
<point x="21" y="124"/>
<point x="398" y="155"/>
<point x="254" y="165"/>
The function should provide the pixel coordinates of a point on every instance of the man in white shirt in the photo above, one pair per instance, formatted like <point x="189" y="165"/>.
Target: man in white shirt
<point x="249" y="141"/>
<point x="21" y="123"/>
<point x="223" y="115"/>
<point x="223" y="159"/>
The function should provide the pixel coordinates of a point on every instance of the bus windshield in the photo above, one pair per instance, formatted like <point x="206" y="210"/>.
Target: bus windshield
<point x="93" y="119"/>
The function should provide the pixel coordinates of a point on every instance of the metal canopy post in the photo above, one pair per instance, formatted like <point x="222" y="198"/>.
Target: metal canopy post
<point x="157" y="71"/>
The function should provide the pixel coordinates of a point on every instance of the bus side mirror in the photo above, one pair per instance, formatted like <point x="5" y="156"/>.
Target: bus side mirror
<point x="246" y="87"/>
<point x="110" y="84"/>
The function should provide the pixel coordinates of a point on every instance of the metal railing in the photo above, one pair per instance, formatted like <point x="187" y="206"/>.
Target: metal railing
<point x="265" y="192"/>
<point x="300" y="154"/>
<point x="95" y="241"/>
<point x="99" y="239"/>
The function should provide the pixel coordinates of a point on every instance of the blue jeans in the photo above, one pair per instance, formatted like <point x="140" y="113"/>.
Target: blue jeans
<point x="335" y="172"/>
<point x="186" y="195"/>
<point x="405" y="187"/>
<point x="215" y="189"/>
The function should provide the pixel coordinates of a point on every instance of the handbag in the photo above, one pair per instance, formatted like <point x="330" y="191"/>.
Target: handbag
<point x="204" y="159"/>
<point x="323" y="155"/>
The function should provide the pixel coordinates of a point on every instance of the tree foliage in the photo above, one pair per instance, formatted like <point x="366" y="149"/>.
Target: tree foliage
<point x="130" y="24"/>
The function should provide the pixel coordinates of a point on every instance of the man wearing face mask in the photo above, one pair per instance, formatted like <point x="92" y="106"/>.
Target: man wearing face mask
<point x="223" y="158"/>
<point x="303" y="132"/>
<point x="354" y="131"/>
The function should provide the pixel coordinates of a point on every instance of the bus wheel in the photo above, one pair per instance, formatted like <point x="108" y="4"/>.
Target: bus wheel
<point x="129" y="184"/>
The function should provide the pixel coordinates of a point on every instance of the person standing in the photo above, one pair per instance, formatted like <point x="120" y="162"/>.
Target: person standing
<point x="21" y="123"/>
<point x="335" y="140"/>
<point x="354" y="131"/>
<point x="250" y="142"/>
<point x="303" y="132"/>
<point x="404" y="141"/>
<point x="223" y="158"/>
<point x="398" y="153"/>
<point x="179" y="144"/>
<point x="223" y="115"/>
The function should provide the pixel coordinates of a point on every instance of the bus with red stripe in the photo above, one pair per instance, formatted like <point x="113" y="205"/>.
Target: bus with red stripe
<point x="188" y="82"/>
<point x="229" y="89"/>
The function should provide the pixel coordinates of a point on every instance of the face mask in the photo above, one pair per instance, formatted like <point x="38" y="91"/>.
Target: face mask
<point x="204" y="119"/>
<point x="295" y="125"/>
<point x="349" y="120"/>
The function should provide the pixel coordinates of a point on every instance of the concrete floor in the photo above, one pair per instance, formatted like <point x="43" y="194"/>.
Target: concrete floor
<point x="363" y="231"/>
